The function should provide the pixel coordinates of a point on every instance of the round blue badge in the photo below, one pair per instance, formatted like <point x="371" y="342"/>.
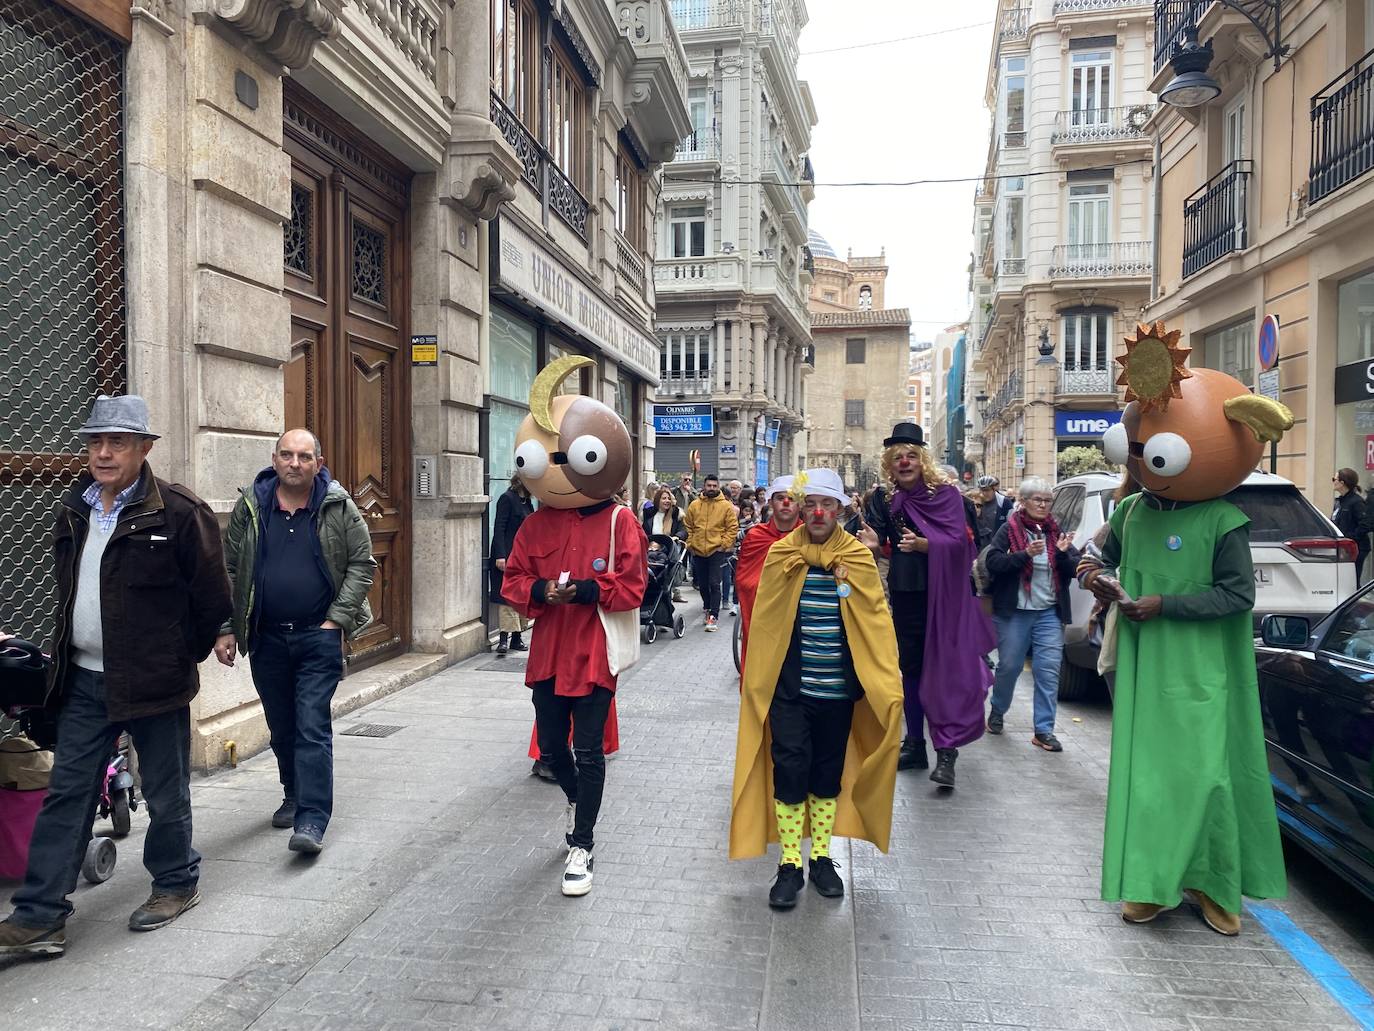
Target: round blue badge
<point x="599" y="565"/>
<point x="1174" y="542"/>
<point x="842" y="590"/>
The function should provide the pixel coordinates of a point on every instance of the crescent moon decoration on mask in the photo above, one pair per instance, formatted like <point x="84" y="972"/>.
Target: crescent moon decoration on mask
<point x="548" y="381"/>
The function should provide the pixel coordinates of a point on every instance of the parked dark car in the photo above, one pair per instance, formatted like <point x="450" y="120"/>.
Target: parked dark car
<point x="1317" y="686"/>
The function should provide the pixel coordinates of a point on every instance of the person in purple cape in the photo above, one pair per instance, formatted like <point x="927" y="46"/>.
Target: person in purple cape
<point x="942" y="631"/>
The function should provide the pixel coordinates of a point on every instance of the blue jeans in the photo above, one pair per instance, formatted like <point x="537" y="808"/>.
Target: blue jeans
<point x="1039" y="632"/>
<point x="85" y="742"/>
<point x="296" y="673"/>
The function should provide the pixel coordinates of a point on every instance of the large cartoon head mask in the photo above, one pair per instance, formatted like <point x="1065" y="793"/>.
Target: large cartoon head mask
<point x="1187" y="434"/>
<point x="571" y="451"/>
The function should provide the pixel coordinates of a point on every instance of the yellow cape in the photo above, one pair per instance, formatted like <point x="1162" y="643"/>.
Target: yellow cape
<point x="870" y="763"/>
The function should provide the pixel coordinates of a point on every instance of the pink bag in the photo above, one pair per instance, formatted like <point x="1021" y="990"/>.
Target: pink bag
<point x="18" y="811"/>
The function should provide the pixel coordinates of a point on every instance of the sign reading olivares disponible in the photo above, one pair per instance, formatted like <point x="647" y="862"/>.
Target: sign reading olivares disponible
<point x="696" y="420"/>
<point x="528" y="269"/>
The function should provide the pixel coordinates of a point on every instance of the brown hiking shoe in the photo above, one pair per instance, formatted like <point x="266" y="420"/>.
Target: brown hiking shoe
<point x="161" y="909"/>
<point x="1140" y="912"/>
<point x="1218" y="919"/>
<point x="18" y="940"/>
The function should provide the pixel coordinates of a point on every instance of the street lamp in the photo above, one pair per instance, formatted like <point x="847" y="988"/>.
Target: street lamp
<point x="1191" y="85"/>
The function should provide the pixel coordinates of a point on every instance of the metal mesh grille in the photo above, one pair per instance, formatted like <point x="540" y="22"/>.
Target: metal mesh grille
<point x="62" y="266"/>
<point x="371" y="730"/>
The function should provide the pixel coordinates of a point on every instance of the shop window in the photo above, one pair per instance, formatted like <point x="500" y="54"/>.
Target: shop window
<point x="1231" y="350"/>
<point x="1355" y="324"/>
<point x="513" y="353"/>
<point x="555" y="348"/>
<point x="854" y="413"/>
<point x="687" y="230"/>
<point x="855" y="352"/>
<point x="629" y="198"/>
<point x="515" y="58"/>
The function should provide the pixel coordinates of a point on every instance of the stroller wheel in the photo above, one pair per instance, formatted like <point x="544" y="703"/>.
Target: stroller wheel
<point x="99" y="864"/>
<point x="119" y="813"/>
<point x="679" y="627"/>
<point x="649" y="633"/>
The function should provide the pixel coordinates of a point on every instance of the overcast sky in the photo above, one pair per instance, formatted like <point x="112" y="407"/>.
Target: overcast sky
<point x="903" y="110"/>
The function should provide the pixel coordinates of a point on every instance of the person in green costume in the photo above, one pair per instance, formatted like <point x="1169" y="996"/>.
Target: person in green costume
<point x="1190" y="808"/>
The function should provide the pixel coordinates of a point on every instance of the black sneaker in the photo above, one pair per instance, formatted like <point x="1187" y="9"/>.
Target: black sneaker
<point x="285" y="816"/>
<point x="994" y="722"/>
<point x="542" y="770"/>
<point x="943" y="774"/>
<point x="824" y="878"/>
<point x="787" y="887"/>
<point x="308" y="839"/>
<point x="913" y="755"/>
<point x="1048" y="742"/>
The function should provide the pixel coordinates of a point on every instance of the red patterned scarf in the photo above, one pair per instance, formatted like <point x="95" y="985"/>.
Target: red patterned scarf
<point x="1019" y="525"/>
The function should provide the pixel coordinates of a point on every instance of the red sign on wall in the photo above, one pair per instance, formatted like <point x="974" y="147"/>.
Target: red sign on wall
<point x="1369" y="452"/>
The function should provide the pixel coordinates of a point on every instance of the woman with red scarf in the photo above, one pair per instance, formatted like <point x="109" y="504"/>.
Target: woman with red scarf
<point x="1031" y="565"/>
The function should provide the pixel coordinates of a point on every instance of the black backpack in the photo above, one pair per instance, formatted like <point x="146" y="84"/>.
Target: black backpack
<point x="23" y="676"/>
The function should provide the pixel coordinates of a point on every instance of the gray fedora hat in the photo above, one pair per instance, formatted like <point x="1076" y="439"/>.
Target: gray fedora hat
<point x="127" y="414"/>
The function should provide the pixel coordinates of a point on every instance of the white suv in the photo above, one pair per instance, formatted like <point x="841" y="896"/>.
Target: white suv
<point x="1303" y="567"/>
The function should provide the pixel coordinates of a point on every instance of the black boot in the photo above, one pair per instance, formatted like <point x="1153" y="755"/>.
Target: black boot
<point x="502" y="646"/>
<point x="913" y="755"/>
<point x="943" y="774"/>
<point x="787" y="887"/>
<point x="517" y="643"/>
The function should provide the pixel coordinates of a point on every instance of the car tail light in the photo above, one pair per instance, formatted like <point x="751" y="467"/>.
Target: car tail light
<point x="1334" y="549"/>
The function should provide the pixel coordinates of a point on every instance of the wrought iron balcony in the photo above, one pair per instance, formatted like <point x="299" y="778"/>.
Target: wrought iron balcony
<point x="1076" y="381"/>
<point x="691" y="15"/>
<point x="527" y="148"/>
<point x="1343" y="129"/>
<point x="1129" y="260"/>
<point x="1009" y="392"/>
<point x="1015" y="24"/>
<point x="1101" y="124"/>
<point x="1172" y="19"/>
<point x="700" y="145"/>
<point x="540" y="170"/>
<point x="1079" y="6"/>
<point x="1216" y="218"/>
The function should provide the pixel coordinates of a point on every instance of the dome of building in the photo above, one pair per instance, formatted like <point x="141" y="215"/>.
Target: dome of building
<point x="819" y="247"/>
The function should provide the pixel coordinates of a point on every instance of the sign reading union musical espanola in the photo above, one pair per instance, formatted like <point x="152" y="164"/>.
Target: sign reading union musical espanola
<point x="528" y="269"/>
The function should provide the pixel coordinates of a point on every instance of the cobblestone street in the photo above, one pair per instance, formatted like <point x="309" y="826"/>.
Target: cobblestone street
<point x="436" y="901"/>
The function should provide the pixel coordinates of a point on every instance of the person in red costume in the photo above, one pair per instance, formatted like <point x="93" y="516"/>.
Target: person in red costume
<point x="577" y="554"/>
<point x="753" y="552"/>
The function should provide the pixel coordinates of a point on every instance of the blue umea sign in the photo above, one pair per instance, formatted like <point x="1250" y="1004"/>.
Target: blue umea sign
<point x="1084" y="424"/>
<point x="696" y="420"/>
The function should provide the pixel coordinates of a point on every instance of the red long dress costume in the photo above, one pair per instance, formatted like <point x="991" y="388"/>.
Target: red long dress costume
<point x="753" y="552"/>
<point x="568" y="643"/>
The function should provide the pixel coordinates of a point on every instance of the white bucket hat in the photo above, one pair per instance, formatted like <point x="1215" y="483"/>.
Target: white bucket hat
<point x="825" y="482"/>
<point x="782" y="485"/>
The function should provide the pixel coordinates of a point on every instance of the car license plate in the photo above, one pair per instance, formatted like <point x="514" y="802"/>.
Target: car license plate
<point x="1263" y="577"/>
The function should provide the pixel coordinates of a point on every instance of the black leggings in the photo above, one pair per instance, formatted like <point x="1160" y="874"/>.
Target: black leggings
<point x="582" y="781"/>
<point x="810" y="736"/>
<point x="909" y="620"/>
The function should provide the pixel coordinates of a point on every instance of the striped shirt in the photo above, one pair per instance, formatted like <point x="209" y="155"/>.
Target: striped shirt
<point x="822" y="637"/>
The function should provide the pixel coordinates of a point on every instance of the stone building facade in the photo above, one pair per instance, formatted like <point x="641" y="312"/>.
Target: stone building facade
<point x="270" y="213"/>
<point x="733" y="270"/>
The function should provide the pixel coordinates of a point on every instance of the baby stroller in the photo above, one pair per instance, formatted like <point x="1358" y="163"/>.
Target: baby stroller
<point x="665" y="572"/>
<point x="23" y="694"/>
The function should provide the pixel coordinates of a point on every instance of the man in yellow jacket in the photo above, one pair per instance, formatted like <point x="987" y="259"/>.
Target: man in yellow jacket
<point x="712" y="526"/>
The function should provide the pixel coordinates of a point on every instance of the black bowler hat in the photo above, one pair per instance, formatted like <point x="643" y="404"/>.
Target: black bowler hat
<point x="906" y="433"/>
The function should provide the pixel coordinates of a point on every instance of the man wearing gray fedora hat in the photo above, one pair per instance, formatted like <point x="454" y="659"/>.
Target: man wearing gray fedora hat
<point x="141" y="592"/>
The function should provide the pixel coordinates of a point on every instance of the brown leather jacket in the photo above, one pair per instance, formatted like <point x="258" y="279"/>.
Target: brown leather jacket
<point x="163" y="595"/>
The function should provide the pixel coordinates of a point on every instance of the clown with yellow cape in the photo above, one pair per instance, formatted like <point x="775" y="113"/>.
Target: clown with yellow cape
<point x="821" y="706"/>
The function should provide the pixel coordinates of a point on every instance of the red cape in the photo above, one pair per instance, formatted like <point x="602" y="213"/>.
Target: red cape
<point x="753" y="552"/>
<point x="610" y="741"/>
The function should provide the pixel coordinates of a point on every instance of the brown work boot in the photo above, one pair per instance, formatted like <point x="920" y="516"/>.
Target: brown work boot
<point x="161" y="909"/>
<point x="1140" y="912"/>
<point x="1214" y="916"/>
<point x="18" y="940"/>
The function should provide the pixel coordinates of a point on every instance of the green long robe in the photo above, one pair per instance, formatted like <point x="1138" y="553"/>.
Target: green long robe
<point x="1189" y="800"/>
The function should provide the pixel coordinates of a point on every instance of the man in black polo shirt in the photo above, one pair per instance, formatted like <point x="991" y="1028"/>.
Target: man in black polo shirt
<point x="300" y="559"/>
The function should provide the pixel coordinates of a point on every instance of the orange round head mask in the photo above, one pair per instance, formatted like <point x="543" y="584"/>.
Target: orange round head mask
<point x="1187" y="434"/>
<point x="571" y="451"/>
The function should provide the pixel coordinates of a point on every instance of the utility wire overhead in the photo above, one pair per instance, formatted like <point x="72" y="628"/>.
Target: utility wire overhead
<point x="678" y="177"/>
<point x="899" y="39"/>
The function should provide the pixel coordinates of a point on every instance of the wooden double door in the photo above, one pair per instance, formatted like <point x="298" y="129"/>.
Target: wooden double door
<point x="348" y="378"/>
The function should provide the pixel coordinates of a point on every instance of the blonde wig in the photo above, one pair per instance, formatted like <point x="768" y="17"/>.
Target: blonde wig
<point x="930" y="473"/>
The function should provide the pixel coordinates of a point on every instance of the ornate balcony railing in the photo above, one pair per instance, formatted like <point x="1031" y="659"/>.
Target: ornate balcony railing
<point x="1015" y="24"/>
<point x="1012" y="267"/>
<point x="630" y="264"/>
<point x="690" y="384"/>
<point x="1087" y="381"/>
<point x="411" y="26"/>
<point x="700" y="145"/>
<point x="1343" y="129"/>
<point x="540" y="171"/>
<point x="707" y="14"/>
<point x="566" y="200"/>
<point x="1172" y="19"/>
<point x="672" y="270"/>
<point x="1129" y="260"/>
<point x="1076" y="6"/>
<point x="527" y="148"/>
<point x="1102" y="124"/>
<point x="1010" y="391"/>
<point x="1216" y="218"/>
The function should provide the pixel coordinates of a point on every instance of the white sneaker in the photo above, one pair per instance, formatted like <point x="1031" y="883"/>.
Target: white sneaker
<point x="569" y="822"/>
<point x="577" y="876"/>
<point x="734" y="610"/>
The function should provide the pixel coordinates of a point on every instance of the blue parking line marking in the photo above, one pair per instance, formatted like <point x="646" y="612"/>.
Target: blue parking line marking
<point x="1325" y="969"/>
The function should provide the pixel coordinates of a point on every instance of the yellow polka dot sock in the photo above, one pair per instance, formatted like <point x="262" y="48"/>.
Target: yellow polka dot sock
<point x="790" y="820"/>
<point x="822" y="812"/>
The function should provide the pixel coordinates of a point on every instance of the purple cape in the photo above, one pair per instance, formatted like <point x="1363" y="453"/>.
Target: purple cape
<point x="954" y="678"/>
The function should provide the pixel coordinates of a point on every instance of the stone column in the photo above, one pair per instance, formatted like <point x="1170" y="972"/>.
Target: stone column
<point x="738" y="385"/>
<point x="779" y="370"/>
<point x="760" y="338"/>
<point x="718" y="359"/>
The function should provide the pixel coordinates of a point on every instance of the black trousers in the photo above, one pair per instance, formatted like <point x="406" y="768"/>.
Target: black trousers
<point x="707" y="571"/>
<point x="582" y="780"/>
<point x="810" y="736"/>
<point x="909" y="620"/>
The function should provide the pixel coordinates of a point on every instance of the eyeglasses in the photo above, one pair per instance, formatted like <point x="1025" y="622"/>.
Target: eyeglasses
<point x="1039" y="500"/>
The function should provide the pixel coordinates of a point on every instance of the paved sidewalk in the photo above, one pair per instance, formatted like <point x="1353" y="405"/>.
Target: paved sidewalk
<point x="436" y="901"/>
